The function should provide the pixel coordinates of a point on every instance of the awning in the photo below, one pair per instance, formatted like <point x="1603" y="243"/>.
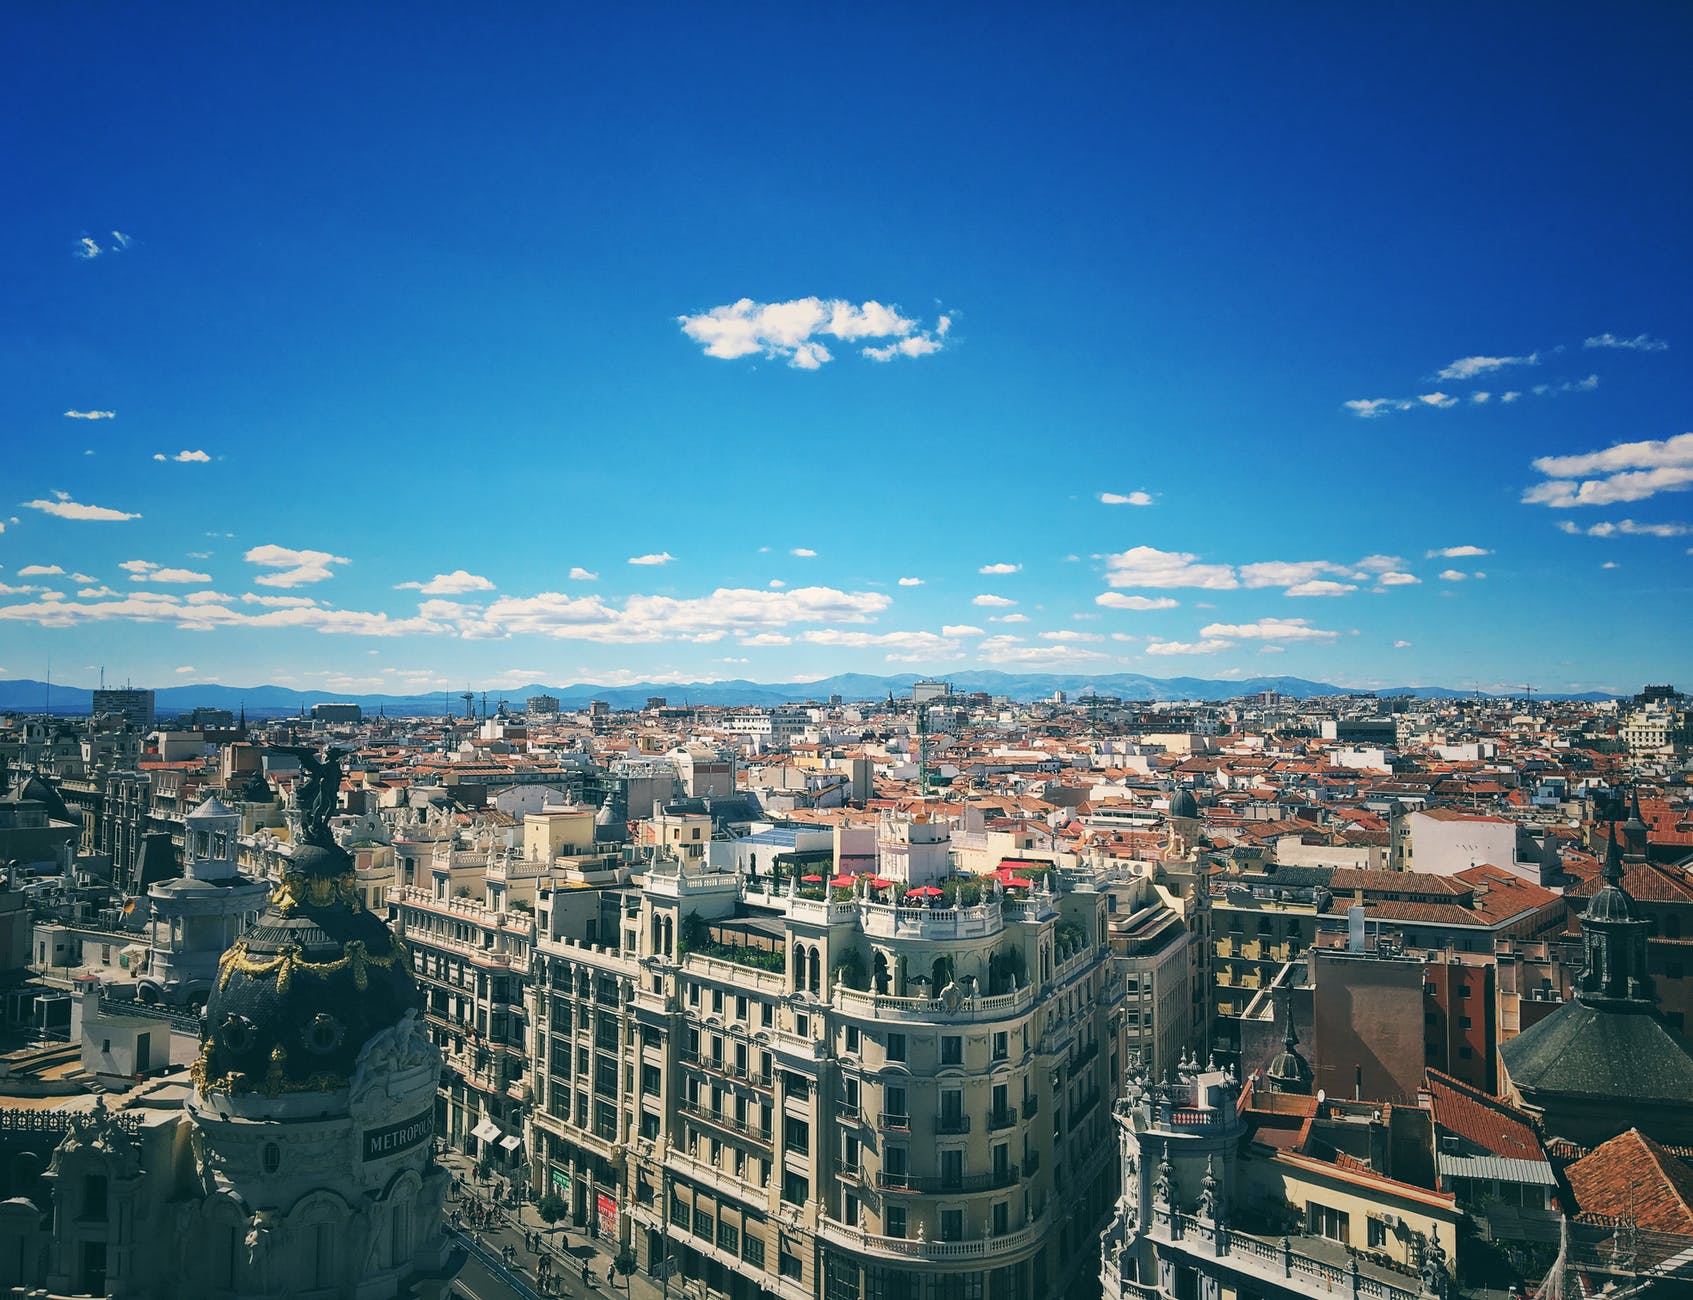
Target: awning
<point x="486" y="1131"/>
<point x="511" y="1142"/>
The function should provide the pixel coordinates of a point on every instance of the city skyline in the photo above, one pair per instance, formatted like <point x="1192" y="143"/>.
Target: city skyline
<point x="1144" y="345"/>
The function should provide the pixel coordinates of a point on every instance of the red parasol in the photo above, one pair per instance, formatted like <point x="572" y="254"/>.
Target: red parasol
<point x="923" y="891"/>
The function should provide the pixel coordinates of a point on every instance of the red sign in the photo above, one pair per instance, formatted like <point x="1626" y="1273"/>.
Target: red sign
<point x="605" y="1210"/>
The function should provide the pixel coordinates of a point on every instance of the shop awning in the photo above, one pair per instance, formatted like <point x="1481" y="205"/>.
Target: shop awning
<point x="486" y="1131"/>
<point x="511" y="1142"/>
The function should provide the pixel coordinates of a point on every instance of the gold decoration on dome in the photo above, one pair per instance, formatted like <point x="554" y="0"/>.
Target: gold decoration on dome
<point x="354" y="956"/>
<point x="275" y="1083"/>
<point x="297" y="889"/>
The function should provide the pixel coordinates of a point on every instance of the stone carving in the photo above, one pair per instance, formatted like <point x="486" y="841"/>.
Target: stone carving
<point x="1434" y="1275"/>
<point x="1208" y="1191"/>
<point x="259" y="1243"/>
<point x="396" y="1049"/>
<point x="1163" y="1186"/>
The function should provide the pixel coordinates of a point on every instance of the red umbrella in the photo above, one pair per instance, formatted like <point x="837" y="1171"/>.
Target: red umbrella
<point x="1017" y="882"/>
<point x="812" y="880"/>
<point x="923" y="891"/>
<point x="843" y="882"/>
<point x="881" y="882"/>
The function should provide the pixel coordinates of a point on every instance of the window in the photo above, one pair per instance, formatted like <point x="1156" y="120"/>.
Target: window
<point x="1322" y="1221"/>
<point x="802" y="1024"/>
<point x="765" y="1014"/>
<point x="852" y="1038"/>
<point x="952" y="1049"/>
<point x="272" y="1157"/>
<point x="752" y="1250"/>
<point x="791" y="1266"/>
<point x="952" y="1225"/>
<point x="1463" y="990"/>
<point x="1377" y="1233"/>
<point x="796" y="1187"/>
<point x="1463" y="1022"/>
<point x="893" y="1219"/>
<point x="704" y="1225"/>
<point x="1465" y="1052"/>
<point x="728" y="1236"/>
<point x="693" y="995"/>
<point x="1001" y="1218"/>
<point x="740" y="1006"/>
<point x="796" y="1134"/>
<point x="849" y="1159"/>
<point x="649" y="1126"/>
<point x="649" y="1080"/>
<point x="896" y="1047"/>
<point x="1001" y="1046"/>
<point x="717" y="1001"/>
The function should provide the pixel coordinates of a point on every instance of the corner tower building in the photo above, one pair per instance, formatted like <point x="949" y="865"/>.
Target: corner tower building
<point x="313" y="1100"/>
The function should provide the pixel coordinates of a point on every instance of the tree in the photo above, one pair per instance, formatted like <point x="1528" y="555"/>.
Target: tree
<point x="551" y="1207"/>
<point x="624" y="1263"/>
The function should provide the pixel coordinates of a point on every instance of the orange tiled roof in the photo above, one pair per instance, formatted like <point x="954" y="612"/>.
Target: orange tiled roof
<point x="1632" y="1175"/>
<point x="1488" y="1121"/>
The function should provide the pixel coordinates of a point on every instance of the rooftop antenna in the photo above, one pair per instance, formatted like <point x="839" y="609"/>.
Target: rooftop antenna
<point x="484" y="706"/>
<point x="469" y="698"/>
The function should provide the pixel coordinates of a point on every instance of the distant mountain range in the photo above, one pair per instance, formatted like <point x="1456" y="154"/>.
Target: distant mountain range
<point x="24" y="695"/>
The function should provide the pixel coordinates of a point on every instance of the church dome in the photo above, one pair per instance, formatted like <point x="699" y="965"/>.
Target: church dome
<point x="38" y="791"/>
<point x="1183" y="804"/>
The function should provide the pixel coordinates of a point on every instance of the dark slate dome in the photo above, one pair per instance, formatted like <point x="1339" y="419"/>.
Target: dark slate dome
<point x="300" y="993"/>
<point x="1183" y="804"/>
<point x="38" y="790"/>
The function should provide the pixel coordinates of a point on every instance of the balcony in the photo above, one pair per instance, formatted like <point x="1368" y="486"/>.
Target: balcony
<point x="998" y="1119"/>
<point x="952" y="1125"/>
<point x="915" y="1184"/>
<point x="850" y="1237"/>
<point x="1031" y="1107"/>
<point x="847" y="1112"/>
<point x="893" y="1123"/>
<point x="728" y="1123"/>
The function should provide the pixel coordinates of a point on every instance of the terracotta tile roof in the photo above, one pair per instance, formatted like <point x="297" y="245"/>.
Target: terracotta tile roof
<point x="1634" y="1176"/>
<point x="1645" y="883"/>
<point x="1488" y="1121"/>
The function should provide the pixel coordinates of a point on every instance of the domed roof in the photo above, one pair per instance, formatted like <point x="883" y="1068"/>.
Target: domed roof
<point x="1611" y="902"/>
<point x="1183" y="804"/>
<point x="211" y="809"/>
<point x="317" y="976"/>
<point x="301" y="992"/>
<point x="40" y="792"/>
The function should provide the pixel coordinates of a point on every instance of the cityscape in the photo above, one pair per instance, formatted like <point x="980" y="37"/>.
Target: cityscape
<point x="924" y="653"/>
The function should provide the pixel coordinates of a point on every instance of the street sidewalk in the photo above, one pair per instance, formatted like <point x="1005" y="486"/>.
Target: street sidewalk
<point x="568" y="1247"/>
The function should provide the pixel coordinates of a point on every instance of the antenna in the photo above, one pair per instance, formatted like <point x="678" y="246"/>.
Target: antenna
<point x="469" y="698"/>
<point x="1528" y="696"/>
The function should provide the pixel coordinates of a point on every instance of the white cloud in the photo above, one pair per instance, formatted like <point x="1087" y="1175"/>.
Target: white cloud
<point x="40" y="571"/>
<point x="1117" y="600"/>
<point x="1268" y="629"/>
<point x="167" y="607"/>
<point x="1610" y="564"/>
<point x="91" y="415"/>
<point x="1288" y="573"/>
<point x="1629" y="471"/>
<point x="456" y="583"/>
<point x="1132" y="499"/>
<point x="1000" y="568"/>
<point x="1272" y="649"/>
<point x="1480" y="396"/>
<point x="1321" y="587"/>
<point x="1568" y="386"/>
<point x="1621" y="528"/>
<point x="1440" y="401"/>
<point x="767" y="639"/>
<point x="1208" y="647"/>
<point x="1146" y="566"/>
<point x="776" y="583"/>
<point x="1369" y="408"/>
<point x="911" y="582"/>
<point x="277" y="602"/>
<point x="6" y="589"/>
<point x="1453" y="575"/>
<point x="906" y="642"/>
<point x="579" y="574"/>
<point x="1395" y="579"/>
<point x="918" y="345"/>
<point x="1458" y="552"/>
<point x="992" y="602"/>
<point x="1510" y="396"/>
<point x="186" y="668"/>
<point x="184" y="457"/>
<point x="1470" y="367"/>
<point x="87" y="593"/>
<point x="804" y="552"/>
<point x="89" y="577"/>
<point x="1401" y="645"/>
<point x="700" y="619"/>
<point x="87" y="249"/>
<point x="661" y="557"/>
<point x="63" y="507"/>
<point x="1639" y="343"/>
<point x="786" y="330"/>
<point x="297" y="567"/>
<point x="1071" y="636"/>
<point x="1008" y="618"/>
<point x="961" y="629"/>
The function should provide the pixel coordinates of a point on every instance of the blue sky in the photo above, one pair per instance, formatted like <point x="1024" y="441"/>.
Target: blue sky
<point x="1145" y="341"/>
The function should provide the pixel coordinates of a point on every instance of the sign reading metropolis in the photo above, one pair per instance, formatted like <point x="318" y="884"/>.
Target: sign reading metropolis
<point x="390" y="1140"/>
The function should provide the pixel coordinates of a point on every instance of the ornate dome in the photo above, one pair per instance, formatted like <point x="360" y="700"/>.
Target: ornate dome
<point x="1183" y="804"/>
<point x="299" y="995"/>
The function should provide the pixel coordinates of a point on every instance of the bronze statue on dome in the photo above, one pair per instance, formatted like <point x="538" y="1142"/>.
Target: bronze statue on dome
<point x="317" y="793"/>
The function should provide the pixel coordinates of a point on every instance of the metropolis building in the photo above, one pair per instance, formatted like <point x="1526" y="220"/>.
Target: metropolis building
<point x="299" y="1163"/>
